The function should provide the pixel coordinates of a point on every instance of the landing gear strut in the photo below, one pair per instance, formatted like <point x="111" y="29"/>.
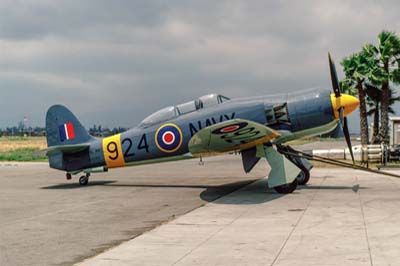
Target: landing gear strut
<point x="84" y="180"/>
<point x="286" y="188"/>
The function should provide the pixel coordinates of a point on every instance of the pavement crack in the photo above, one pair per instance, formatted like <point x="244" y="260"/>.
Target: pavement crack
<point x="365" y="224"/>
<point x="296" y="224"/>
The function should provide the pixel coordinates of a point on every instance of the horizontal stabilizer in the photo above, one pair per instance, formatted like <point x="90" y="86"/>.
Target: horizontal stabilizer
<point x="66" y="149"/>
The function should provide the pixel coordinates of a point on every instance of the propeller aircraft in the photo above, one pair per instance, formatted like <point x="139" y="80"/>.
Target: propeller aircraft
<point x="258" y="127"/>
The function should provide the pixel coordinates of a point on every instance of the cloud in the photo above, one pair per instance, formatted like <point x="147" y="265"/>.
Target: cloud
<point x="114" y="62"/>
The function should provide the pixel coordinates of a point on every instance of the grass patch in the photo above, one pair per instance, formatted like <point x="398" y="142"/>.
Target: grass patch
<point x="23" y="155"/>
<point x="23" y="149"/>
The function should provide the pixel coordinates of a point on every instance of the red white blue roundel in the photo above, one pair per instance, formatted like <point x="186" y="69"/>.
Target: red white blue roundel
<point x="230" y="128"/>
<point x="168" y="138"/>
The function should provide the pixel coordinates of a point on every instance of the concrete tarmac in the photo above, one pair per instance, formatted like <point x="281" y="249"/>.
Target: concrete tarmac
<point x="343" y="217"/>
<point x="47" y="220"/>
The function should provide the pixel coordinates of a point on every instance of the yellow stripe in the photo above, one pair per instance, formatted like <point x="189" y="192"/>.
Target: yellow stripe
<point x="112" y="151"/>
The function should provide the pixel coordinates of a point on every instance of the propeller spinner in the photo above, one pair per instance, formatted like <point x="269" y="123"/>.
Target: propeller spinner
<point x="343" y="104"/>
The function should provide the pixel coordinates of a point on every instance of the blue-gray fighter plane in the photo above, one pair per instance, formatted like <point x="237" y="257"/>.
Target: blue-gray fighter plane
<point x="258" y="127"/>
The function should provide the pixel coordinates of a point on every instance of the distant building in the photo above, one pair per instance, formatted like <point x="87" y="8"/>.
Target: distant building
<point x="394" y="130"/>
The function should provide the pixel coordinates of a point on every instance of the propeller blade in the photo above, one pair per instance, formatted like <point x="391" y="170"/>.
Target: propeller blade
<point x="347" y="136"/>
<point x="334" y="78"/>
<point x="341" y="116"/>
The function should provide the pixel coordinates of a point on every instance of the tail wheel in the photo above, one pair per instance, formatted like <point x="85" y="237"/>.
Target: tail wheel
<point x="303" y="177"/>
<point x="84" y="180"/>
<point x="286" y="188"/>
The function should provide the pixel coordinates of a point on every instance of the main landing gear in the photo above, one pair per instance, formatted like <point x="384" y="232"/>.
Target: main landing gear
<point x="303" y="164"/>
<point x="286" y="188"/>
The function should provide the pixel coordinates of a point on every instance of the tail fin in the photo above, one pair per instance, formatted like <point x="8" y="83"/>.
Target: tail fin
<point x="63" y="128"/>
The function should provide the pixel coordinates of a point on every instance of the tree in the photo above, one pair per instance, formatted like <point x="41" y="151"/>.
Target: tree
<point x="358" y="67"/>
<point x="373" y="101"/>
<point x="386" y="56"/>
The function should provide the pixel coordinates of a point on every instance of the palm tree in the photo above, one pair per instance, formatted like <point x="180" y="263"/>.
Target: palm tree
<point x="373" y="101"/>
<point x="386" y="57"/>
<point x="357" y="68"/>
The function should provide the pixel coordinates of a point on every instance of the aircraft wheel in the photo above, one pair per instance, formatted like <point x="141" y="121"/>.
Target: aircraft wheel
<point x="303" y="177"/>
<point x="83" y="180"/>
<point x="286" y="188"/>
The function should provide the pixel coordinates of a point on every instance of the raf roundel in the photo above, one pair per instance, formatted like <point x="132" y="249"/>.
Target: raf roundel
<point x="229" y="129"/>
<point x="168" y="138"/>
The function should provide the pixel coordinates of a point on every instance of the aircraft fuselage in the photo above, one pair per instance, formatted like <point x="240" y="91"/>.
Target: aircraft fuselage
<point x="310" y="113"/>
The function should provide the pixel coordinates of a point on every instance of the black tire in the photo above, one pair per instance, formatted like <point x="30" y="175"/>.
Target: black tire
<point x="287" y="188"/>
<point x="303" y="177"/>
<point x="83" y="180"/>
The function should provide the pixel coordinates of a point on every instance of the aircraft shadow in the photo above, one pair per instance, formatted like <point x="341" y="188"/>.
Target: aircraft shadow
<point x="230" y="186"/>
<point x="76" y="185"/>
<point x="249" y="191"/>
<point x="209" y="194"/>
<point x="255" y="193"/>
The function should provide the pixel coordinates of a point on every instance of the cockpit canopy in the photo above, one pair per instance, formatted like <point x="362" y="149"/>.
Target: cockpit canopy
<point x="171" y="112"/>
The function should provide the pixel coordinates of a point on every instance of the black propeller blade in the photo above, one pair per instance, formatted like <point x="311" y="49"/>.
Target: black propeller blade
<point x="334" y="78"/>
<point x="342" y="118"/>
<point x="347" y="136"/>
<point x="341" y="115"/>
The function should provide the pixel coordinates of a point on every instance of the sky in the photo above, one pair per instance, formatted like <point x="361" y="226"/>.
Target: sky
<point x="115" y="62"/>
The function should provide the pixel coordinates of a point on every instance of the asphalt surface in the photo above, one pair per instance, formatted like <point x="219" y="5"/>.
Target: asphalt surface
<point x="47" y="220"/>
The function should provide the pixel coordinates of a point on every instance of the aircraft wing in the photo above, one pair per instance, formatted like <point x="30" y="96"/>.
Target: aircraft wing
<point x="66" y="148"/>
<point x="235" y="134"/>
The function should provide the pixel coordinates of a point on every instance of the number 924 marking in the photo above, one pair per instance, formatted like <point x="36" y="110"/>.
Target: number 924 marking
<point x="112" y="149"/>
